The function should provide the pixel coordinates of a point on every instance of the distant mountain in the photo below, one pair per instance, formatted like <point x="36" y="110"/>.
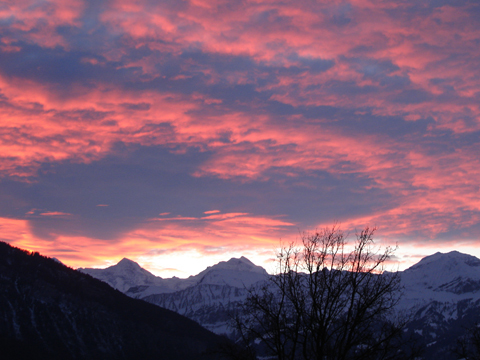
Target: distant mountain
<point x="238" y="273"/>
<point x="130" y="278"/>
<point x="208" y="297"/>
<point x="124" y="275"/>
<point x="127" y="274"/>
<point x="453" y="272"/>
<point x="208" y="304"/>
<point x="49" y="311"/>
<point x="443" y="291"/>
<point x="441" y="294"/>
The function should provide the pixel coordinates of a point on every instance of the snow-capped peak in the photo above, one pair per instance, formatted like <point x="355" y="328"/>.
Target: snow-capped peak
<point x="451" y="272"/>
<point x="126" y="264"/>
<point x="451" y="260"/>
<point x="125" y="274"/>
<point x="241" y="264"/>
<point x="237" y="272"/>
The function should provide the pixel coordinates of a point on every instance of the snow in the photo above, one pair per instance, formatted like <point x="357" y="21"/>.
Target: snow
<point x="128" y="276"/>
<point x="235" y="272"/>
<point x="124" y="275"/>
<point x="434" y="285"/>
<point x="442" y="269"/>
<point x="446" y="278"/>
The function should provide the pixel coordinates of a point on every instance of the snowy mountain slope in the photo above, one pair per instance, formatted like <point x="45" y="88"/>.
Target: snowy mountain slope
<point x="129" y="277"/>
<point x="452" y="272"/>
<point x="208" y="297"/>
<point x="215" y="296"/>
<point x="210" y="305"/>
<point x="239" y="273"/>
<point x="127" y="274"/>
<point x="442" y="292"/>
<point x="445" y="278"/>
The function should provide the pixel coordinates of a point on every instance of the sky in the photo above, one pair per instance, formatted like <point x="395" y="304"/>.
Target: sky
<point x="182" y="133"/>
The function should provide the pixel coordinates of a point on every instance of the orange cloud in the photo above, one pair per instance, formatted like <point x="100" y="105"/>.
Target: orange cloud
<point x="239" y="234"/>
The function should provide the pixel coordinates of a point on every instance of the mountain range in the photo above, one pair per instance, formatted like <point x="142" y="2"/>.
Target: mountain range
<point x="441" y="292"/>
<point x="50" y="311"/>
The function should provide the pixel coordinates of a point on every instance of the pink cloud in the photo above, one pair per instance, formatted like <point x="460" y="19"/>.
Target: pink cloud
<point x="211" y="212"/>
<point x="375" y="59"/>
<point x="54" y="213"/>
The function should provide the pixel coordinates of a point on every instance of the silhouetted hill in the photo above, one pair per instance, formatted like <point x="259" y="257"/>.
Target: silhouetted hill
<point x="48" y="310"/>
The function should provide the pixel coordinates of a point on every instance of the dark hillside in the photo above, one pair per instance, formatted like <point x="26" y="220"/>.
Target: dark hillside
<point x="48" y="310"/>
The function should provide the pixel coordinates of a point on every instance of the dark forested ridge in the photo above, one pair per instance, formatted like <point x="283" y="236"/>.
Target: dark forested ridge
<point x="48" y="310"/>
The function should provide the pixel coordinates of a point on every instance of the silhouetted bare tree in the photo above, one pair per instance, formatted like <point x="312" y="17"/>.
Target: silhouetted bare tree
<point x="327" y="301"/>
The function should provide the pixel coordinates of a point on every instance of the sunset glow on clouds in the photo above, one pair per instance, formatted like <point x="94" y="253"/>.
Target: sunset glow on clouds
<point x="182" y="133"/>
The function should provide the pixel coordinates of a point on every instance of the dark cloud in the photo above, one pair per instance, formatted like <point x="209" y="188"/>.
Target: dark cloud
<point x="139" y="106"/>
<point x="412" y="96"/>
<point x="62" y="67"/>
<point x="382" y="72"/>
<point x="339" y="15"/>
<point x="270" y="21"/>
<point x="139" y="183"/>
<point x="312" y="65"/>
<point x="348" y="88"/>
